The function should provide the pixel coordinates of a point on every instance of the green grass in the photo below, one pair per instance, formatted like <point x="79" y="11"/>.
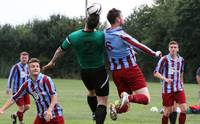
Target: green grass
<point x="72" y="98"/>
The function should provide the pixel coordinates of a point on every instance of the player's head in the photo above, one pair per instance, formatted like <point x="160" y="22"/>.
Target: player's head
<point x="114" y="16"/>
<point x="24" y="57"/>
<point x="173" y="47"/>
<point x="34" y="66"/>
<point x="92" y="21"/>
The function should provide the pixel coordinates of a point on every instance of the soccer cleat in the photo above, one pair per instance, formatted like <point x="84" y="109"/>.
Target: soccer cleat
<point x="113" y="112"/>
<point x="124" y="99"/>
<point x="14" y="118"/>
<point x="93" y="116"/>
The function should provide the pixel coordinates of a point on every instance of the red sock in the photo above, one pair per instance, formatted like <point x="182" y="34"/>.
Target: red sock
<point x="123" y="109"/>
<point x="182" y="118"/>
<point x="164" y="120"/>
<point x="138" y="98"/>
<point x="20" y="115"/>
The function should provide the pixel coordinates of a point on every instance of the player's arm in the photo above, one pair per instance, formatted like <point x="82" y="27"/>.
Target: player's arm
<point x="21" y="92"/>
<point x="11" y="79"/>
<point x="58" y="54"/>
<point x="52" y="91"/>
<point x="181" y="77"/>
<point x="6" y="105"/>
<point x="135" y="43"/>
<point x="158" y="70"/>
<point x="182" y="70"/>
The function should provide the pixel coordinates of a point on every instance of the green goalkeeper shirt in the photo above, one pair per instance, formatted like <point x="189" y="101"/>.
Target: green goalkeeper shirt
<point x="88" y="46"/>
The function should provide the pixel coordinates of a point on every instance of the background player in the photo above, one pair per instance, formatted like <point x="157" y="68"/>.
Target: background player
<point x="170" y="70"/>
<point x="18" y="75"/>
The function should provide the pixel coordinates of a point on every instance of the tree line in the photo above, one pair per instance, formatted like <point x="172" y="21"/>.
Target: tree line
<point x="153" y="25"/>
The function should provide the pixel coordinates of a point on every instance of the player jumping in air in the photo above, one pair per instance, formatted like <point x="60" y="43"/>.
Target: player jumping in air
<point x="88" y="45"/>
<point x="127" y="76"/>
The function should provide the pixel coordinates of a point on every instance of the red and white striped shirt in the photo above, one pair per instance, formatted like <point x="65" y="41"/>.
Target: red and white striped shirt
<point x="171" y="69"/>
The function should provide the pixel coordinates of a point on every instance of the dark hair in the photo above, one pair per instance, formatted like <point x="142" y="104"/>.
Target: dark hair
<point x="24" y="53"/>
<point x="173" y="42"/>
<point x="92" y="21"/>
<point x="112" y="15"/>
<point x="33" y="60"/>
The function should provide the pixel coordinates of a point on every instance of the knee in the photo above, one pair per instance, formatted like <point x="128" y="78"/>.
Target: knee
<point x="91" y="93"/>
<point x="166" y="113"/>
<point x="102" y="100"/>
<point x="183" y="110"/>
<point x="148" y="99"/>
<point x="21" y="108"/>
<point x="27" y="107"/>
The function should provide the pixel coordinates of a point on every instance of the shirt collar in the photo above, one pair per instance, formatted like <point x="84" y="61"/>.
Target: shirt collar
<point x="39" y="77"/>
<point x="170" y="57"/>
<point x="109" y="30"/>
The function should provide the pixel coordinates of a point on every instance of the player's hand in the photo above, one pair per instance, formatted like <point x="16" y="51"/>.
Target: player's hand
<point x="8" y="91"/>
<point x="158" y="54"/>
<point x="169" y="81"/>
<point x="48" y="115"/>
<point x="1" y="111"/>
<point x="48" y="66"/>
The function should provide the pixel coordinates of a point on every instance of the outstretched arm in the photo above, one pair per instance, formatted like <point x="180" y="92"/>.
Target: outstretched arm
<point x="140" y="46"/>
<point x="6" y="105"/>
<point x="59" y="53"/>
<point x="15" y="97"/>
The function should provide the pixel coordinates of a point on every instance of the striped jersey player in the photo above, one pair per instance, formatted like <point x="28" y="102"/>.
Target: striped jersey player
<point x="173" y="70"/>
<point x="170" y="70"/>
<point x="18" y="75"/>
<point x="127" y="75"/>
<point x="42" y="89"/>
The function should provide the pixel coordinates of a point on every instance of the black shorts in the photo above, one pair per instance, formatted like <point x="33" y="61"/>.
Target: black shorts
<point x="96" y="79"/>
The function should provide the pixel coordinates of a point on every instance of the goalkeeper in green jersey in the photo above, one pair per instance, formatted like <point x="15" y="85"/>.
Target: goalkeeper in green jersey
<point x="88" y="45"/>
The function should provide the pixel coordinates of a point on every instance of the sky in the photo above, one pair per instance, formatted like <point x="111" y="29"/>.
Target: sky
<point x="16" y="12"/>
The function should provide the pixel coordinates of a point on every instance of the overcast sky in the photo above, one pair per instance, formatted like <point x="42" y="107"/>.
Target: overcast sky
<point x="21" y="11"/>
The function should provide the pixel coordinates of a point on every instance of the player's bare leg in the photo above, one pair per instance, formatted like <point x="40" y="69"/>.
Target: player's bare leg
<point x="166" y="113"/>
<point x="140" y="96"/>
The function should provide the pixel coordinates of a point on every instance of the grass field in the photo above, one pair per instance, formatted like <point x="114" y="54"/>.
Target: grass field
<point x="72" y="98"/>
